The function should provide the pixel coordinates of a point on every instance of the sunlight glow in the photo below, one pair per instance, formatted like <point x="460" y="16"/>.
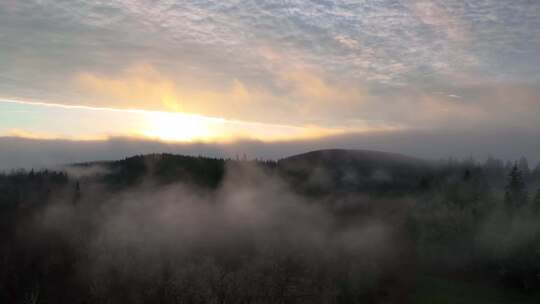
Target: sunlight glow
<point x="177" y="127"/>
<point x="99" y="123"/>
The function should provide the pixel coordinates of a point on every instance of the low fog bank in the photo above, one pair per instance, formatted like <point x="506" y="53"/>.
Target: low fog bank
<point x="252" y="240"/>
<point x="256" y="237"/>
<point x="505" y="143"/>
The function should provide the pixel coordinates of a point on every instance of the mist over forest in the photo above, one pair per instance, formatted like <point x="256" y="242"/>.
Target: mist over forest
<point x="330" y="226"/>
<point x="269" y="152"/>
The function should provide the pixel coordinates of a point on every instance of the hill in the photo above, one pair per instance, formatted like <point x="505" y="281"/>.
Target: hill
<point x="336" y="226"/>
<point x="354" y="170"/>
<point x="316" y="172"/>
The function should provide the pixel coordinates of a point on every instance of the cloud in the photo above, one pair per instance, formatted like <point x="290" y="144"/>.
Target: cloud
<point x="347" y="42"/>
<point x="300" y="90"/>
<point x="144" y="87"/>
<point x="439" y="16"/>
<point x="507" y="143"/>
<point x="333" y="58"/>
<point x="89" y="123"/>
<point x="29" y="135"/>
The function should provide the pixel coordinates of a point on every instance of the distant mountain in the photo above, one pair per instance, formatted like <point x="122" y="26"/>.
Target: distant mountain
<point x="316" y="172"/>
<point x="340" y="156"/>
<point x="354" y="170"/>
<point x="162" y="168"/>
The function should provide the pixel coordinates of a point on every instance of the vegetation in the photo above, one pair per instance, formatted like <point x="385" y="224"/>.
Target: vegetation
<point x="324" y="227"/>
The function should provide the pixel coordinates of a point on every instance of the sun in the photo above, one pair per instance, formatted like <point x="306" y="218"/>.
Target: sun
<point x="177" y="126"/>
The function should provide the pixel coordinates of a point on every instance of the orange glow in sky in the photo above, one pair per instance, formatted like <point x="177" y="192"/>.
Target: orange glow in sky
<point x="41" y="121"/>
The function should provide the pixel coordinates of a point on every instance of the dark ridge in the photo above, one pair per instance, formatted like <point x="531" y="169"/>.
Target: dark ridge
<point x="167" y="168"/>
<point x="337" y="170"/>
<point x="344" y="154"/>
<point x="316" y="172"/>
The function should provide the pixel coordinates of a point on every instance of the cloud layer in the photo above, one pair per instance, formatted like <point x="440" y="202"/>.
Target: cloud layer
<point x="509" y="144"/>
<point x="329" y="63"/>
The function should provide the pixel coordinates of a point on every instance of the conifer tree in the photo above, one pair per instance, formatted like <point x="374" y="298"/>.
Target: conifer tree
<point x="536" y="202"/>
<point x="516" y="194"/>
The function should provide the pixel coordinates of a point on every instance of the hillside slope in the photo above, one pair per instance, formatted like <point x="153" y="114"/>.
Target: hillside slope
<point x="354" y="170"/>
<point x="317" y="172"/>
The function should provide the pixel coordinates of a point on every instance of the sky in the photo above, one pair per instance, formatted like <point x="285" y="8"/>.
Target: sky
<point x="270" y="71"/>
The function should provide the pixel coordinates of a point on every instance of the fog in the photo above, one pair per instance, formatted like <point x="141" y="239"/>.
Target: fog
<point x="253" y="239"/>
<point x="99" y="235"/>
<point x="509" y="144"/>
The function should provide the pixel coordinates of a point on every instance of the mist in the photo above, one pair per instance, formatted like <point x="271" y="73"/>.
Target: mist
<point x="269" y="152"/>
<point x="253" y="239"/>
<point x="333" y="226"/>
<point x="508" y="144"/>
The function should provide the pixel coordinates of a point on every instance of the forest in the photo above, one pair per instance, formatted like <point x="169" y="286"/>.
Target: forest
<point x="328" y="226"/>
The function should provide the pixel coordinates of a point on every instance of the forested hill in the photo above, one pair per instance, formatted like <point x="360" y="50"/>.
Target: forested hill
<point x="315" y="172"/>
<point x="355" y="170"/>
<point x="332" y="226"/>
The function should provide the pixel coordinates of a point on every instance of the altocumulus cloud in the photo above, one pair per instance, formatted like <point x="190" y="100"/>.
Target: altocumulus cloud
<point x="329" y="63"/>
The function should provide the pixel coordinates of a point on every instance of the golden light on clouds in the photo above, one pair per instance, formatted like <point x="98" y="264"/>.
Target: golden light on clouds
<point x="168" y="126"/>
<point x="16" y="132"/>
<point x="143" y="101"/>
<point x="140" y="86"/>
<point x="196" y="110"/>
<point x="307" y="82"/>
<point x="299" y="90"/>
<point x="95" y="123"/>
<point x="144" y="87"/>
